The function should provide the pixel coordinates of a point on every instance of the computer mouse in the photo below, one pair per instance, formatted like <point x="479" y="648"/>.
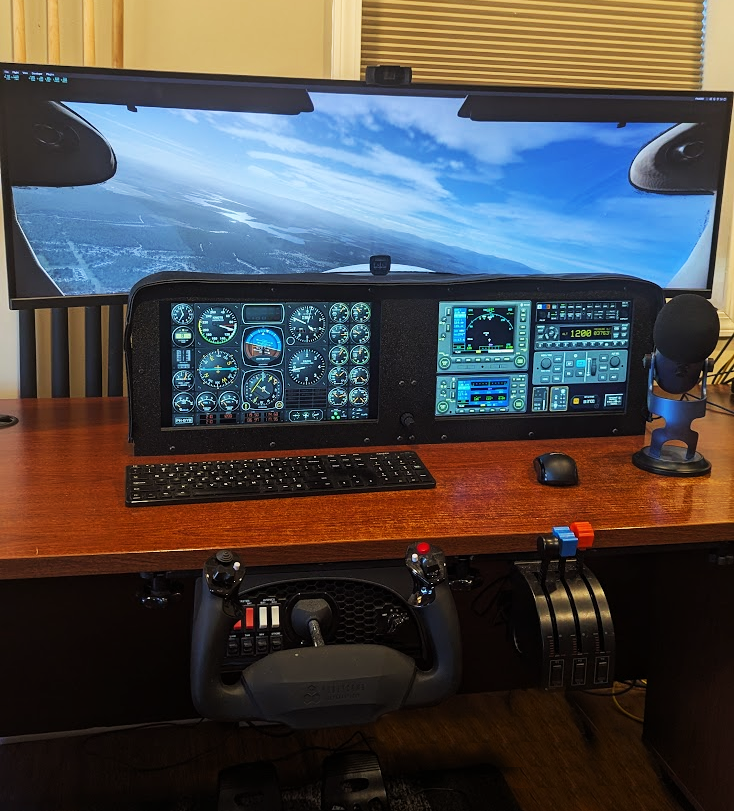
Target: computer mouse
<point x="557" y="469"/>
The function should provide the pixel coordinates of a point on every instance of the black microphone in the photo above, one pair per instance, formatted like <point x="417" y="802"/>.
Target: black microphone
<point x="685" y="334"/>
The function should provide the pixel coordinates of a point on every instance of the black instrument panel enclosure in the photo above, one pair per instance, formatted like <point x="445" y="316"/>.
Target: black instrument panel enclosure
<point x="408" y="331"/>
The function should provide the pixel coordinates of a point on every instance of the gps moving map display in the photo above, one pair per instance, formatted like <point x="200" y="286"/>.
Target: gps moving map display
<point x="555" y="357"/>
<point x="238" y="363"/>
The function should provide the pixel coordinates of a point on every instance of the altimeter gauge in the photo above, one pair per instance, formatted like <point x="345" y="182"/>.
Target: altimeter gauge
<point x="307" y="323"/>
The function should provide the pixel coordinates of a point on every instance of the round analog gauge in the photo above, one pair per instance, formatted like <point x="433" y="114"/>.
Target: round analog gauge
<point x="229" y="401"/>
<point x="360" y="333"/>
<point x="359" y="354"/>
<point x="307" y="323"/>
<point x="262" y="389"/>
<point x="183" y="403"/>
<point x="337" y="397"/>
<point x="338" y="355"/>
<point x="183" y="380"/>
<point x="206" y="401"/>
<point x="217" y="325"/>
<point x="338" y="376"/>
<point x="306" y="366"/>
<point x="339" y="313"/>
<point x="263" y="346"/>
<point x="358" y="396"/>
<point x="182" y="314"/>
<point x="218" y="369"/>
<point x="361" y="312"/>
<point x="339" y="334"/>
<point x="182" y="336"/>
<point x="359" y="375"/>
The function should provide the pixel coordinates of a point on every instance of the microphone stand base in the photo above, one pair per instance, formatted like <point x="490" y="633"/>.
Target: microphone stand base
<point x="671" y="462"/>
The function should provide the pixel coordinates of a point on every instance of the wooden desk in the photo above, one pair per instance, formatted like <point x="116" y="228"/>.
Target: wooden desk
<point x="85" y="654"/>
<point x="62" y="509"/>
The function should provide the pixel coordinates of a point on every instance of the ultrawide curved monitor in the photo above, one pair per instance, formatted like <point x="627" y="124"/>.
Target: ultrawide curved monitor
<point x="109" y="176"/>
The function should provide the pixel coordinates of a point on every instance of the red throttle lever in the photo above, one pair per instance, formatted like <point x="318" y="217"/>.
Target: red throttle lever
<point x="585" y="534"/>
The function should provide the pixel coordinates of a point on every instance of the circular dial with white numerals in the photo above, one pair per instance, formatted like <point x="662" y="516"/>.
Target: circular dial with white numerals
<point x="307" y="323"/>
<point x="217" y="325"/>
<point x="306" y="367"/>
<point x="263" y="389"/>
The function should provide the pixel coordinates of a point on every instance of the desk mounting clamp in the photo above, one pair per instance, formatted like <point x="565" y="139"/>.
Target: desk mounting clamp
<point x="723" y="555"/>
<point x="561" y="621"/>
<point x="159" y="590"/>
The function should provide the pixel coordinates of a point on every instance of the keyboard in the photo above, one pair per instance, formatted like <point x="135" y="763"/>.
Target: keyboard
<point x="233" y="480"/>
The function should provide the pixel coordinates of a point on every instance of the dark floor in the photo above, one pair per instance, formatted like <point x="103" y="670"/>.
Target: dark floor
<point x="575" y="752"/>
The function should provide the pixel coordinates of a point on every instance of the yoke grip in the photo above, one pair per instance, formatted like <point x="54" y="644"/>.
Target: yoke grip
<point x="211" y="696"/>
<point x="440" y="623"/>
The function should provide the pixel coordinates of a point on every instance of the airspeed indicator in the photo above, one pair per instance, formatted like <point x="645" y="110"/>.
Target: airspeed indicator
<point x="217" y="325"/>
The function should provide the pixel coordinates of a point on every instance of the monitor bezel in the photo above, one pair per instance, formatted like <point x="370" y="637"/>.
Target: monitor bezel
<point x="545" y="98"/>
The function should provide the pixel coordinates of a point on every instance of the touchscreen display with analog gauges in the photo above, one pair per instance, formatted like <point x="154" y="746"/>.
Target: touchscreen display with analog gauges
<point x="238" y="363"/>
<point x="217" y="364"/>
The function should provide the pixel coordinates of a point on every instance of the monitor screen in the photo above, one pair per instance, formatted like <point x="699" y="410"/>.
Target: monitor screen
<point x="256" y="363"/>
<point x="223" y="363"/>
<point x="109" y="176"/>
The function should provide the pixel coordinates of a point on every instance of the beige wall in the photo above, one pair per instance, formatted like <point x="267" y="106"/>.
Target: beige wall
<point x="275" y="38"/>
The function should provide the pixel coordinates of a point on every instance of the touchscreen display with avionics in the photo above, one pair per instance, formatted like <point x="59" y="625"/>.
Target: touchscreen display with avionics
<point x="219" y="364"/>
<point x="240" y="363"/>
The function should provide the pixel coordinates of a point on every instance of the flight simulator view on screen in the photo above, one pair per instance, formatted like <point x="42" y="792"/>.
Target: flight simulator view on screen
<point x="109" y="183"/>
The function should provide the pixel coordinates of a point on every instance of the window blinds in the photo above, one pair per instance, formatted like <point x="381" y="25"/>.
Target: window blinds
<point x="572" y="43"/>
